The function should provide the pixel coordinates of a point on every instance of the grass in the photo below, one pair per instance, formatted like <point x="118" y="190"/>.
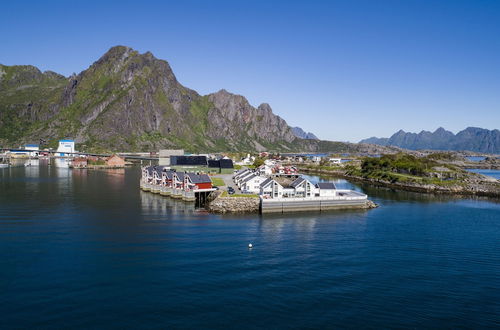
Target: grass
<point x="218" y="182"/>
<point x="225" y="194"/>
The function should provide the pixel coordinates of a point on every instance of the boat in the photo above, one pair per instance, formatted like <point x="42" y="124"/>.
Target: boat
<point x="4" y="165"/>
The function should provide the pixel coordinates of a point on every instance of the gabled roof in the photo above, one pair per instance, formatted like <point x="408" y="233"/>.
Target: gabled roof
<point x="248" y="178"/>
<point x="325" y="185"/>
<point x="241" y="172"/>
<point x="198" y="178"/>
<point x="150" y="170"/>
<point x="180" y="175"/>
<point x="169" y="174"/>
<point x="246" y="175"/>
<point x="189" y="160"/>
<point x="266" y="183"/>
<point x="297" y="182"/>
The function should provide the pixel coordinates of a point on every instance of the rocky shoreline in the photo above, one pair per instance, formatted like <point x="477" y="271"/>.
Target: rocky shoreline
<point x="469" y="187"/>
<point x="218" y="204"/>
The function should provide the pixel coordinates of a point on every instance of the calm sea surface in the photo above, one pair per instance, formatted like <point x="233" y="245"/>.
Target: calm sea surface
<point x="493" y="173"/>
<point x="87" y="249"/>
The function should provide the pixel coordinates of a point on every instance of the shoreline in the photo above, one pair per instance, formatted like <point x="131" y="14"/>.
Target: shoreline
<point x="480" y="190"/>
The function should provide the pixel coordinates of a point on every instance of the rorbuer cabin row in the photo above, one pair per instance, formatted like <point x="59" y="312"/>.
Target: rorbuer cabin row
<point x="185" y="185"/>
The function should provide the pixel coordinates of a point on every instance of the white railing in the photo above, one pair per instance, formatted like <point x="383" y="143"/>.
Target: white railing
<point x="359" y="196"/>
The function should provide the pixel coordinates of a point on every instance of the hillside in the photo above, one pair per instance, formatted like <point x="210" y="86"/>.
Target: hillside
<point x="132" y="101"/>
<point x="471" y="139"/>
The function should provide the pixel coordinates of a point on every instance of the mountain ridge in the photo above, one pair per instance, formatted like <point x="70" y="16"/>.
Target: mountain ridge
<point x="131" y="101"/>
<point x="470" y="139"/>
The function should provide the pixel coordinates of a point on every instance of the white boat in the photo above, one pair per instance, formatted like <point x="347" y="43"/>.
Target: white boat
<point x="4" y="165"/>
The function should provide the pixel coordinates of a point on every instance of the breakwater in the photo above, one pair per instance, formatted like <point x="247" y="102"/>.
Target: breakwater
<point x="314" y="205"/>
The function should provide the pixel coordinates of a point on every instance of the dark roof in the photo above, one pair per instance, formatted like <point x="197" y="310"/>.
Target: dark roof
<point x="213" y="163"/>
<point x="150" y="170"/>
<point x="297" y="182"/>
<point x="242" y="173"/>
<point x="169" y="174"/>
<point x="265" y="183"/>
<point x="325" y="185"/>
<point x="248" y="178"/>
<point x="221" y="163"/>
<point x="226" y="163"/>
<point x="198" y="178"/>
<point x="245" y="175"/>
<point x="180" y="175"/>
<point x="188" y="160"/>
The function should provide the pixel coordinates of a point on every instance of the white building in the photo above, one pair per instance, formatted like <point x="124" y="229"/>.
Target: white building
<point x="265" y="170"/>
<point x="335" y="160"/>
<point x="34" y="149"/>
<point x="242" y="177"/>
<point x="326" y="189"/>
<point x="303" y="188"/>
<point x="252" y="184"/>
<point x="248" y="160"/>
<point x="271" y="189"/>
<point x="65" y="147"/>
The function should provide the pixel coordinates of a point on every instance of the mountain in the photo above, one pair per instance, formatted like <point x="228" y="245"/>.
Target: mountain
<point x="471" y="139"/>
<point x="299" y="132"/>
<point x="132" y="101"/>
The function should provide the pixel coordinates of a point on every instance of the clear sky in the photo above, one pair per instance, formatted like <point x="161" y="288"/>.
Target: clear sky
<point x="345" y="70"/>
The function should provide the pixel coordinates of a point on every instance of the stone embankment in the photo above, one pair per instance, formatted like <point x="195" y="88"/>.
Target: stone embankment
<point x="217" y="204"/>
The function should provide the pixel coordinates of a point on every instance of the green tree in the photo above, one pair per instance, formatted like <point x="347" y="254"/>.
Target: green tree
<point x="258" y="161"/>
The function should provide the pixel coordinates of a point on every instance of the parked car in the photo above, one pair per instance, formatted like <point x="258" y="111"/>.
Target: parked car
<point x="230" y="190"/>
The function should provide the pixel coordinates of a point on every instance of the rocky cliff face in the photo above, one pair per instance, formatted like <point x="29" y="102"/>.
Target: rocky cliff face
<point x="301" y="134"/>
<point x="132" y="101"/>
<point x="472" y="139"/>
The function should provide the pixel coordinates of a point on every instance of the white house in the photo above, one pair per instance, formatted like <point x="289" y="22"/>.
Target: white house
<point x="241" y="178"/>
<point x="248" y="160"/>
<point x="326" y="189"/>
<point x="270" y="162"/>
<point x="265" y="170"/>
<point x="252" y="184"/>
<point x="335" y="160"/>
<point x="271" y="189"/>
<point x="240" y="173"/>
<point x="65" y="147"/>
<point x="303" y="188"/>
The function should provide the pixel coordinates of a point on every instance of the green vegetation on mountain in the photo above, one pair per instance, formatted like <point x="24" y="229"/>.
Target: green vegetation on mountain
<point x="132" y="101"/>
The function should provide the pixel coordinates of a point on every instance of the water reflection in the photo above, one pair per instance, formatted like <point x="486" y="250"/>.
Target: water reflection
<point x="165" y="206"/>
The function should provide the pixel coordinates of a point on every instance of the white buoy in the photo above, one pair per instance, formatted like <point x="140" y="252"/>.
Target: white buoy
<point x="250" y="246"/>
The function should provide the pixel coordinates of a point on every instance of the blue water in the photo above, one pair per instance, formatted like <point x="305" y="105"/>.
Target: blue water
<point x="492" y="173"/>
<point x="87" y="249"/>
<point x="475" y="158"/>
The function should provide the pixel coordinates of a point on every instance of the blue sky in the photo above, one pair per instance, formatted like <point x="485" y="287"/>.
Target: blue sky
<point x="344" y="70"/>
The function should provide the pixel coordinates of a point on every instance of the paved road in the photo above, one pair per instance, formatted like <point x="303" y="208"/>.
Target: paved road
<point x="228" y="180"/>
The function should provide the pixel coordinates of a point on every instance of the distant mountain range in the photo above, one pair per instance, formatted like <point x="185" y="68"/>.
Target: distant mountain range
<point x="299" y="132"/>
<point x="131" y="101"/>
<point x="471" y="139"/>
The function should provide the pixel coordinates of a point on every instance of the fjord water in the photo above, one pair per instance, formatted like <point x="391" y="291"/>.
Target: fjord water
<point x="87" y="249"/>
